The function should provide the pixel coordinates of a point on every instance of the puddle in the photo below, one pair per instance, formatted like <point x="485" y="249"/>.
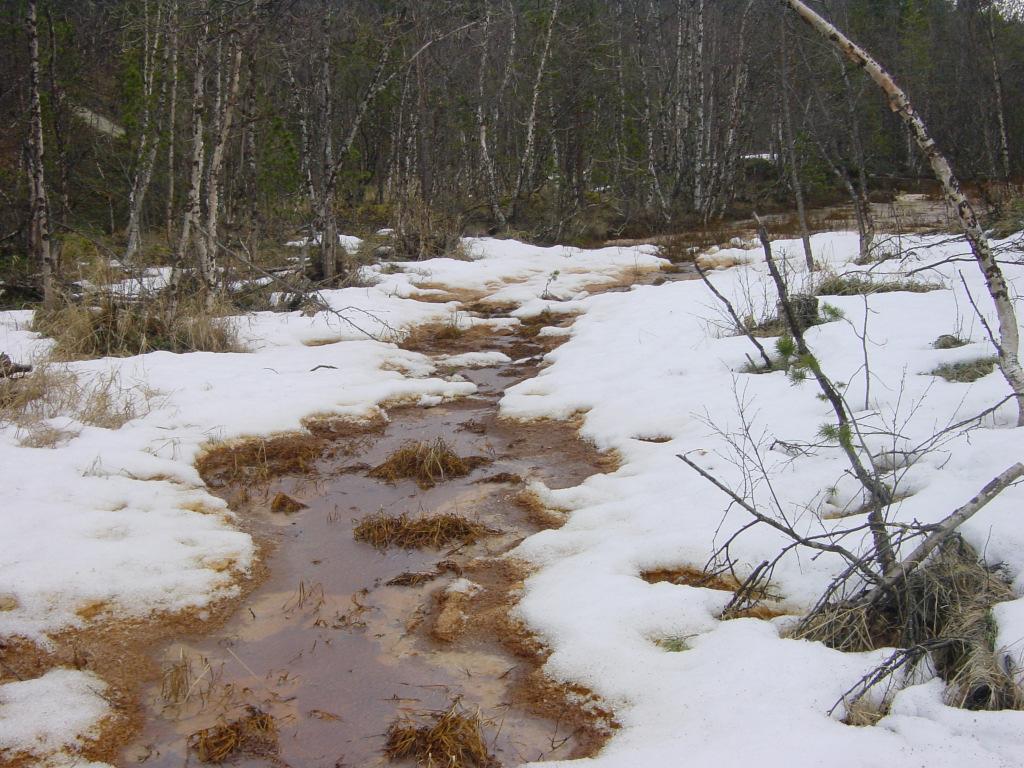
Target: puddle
<point x="330" y="650"/>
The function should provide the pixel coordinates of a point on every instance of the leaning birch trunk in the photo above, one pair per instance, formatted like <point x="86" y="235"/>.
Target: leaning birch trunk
<point x="523" y="177"/>
<point x="40" y="228"/>
<point x="1008" y="343"/>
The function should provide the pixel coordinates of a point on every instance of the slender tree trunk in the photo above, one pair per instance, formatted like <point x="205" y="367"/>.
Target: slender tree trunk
<point x="148" y="146"/>
<point x="790" y="140"/>
<point x="486" y="161"/>
<point x="523" y="178"/>
<point x="1008" y="343"/>
<point x="59" y="121"/>
<point x="171" y="117"/>
<point x="39" y="205"/>
<point x="193" y="205"/>
<point x="215" y="182"/>
<point x="997" y="80"/>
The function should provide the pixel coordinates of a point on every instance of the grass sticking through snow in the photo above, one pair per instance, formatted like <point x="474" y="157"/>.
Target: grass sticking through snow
<point x="452" y="738"/>
<point x="29" y="401"/>
<point x="426" y="463"/>
<point x="858" y="285"/>
<point x="116" y="327"/>
<point x="946" y="606"/>
<point x="967" y="371"/>
<point x="382" y="530"/>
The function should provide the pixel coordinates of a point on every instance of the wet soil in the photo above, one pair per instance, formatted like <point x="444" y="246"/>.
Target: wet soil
<point x="332" y="651"/>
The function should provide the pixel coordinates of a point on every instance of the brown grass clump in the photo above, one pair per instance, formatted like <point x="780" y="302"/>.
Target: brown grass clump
<point x="943" y="609"/>
<point x="452" y="738"/>
<point x="381" y="530"/>
<point x="116" y="327"/>
<point x="254" y="735"/>
<point x="692" y="577"/>
<point x="966" y="372"/>
<point x="258" y="459"/>
<point x="426" y="463"/>
<point x="283" y="504"/>
<point x="857" y="285"/>
<point x="48" y="392"/>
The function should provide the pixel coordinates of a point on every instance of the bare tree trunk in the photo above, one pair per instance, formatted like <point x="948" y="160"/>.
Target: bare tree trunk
<point x="647" y="125"/>
<point x="148" y="145"/>
<point x="526" y="162"/>
<point x="790" y="139"/>
<point x="59" y="120"/>
<point x="215" y="180"/>
<point x="486" y="161"/>
<point x="40" y="227"/>
<point x="1008" y="343"/>
<point x="863" y="204"/>
<point x="997" y="79"/>
<point x="699" y="127"/>
<point x="190" y="221"/>
<point x="172" y="19"/>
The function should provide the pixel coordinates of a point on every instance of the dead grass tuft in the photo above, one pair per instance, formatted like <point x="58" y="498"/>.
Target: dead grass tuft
<point x="949" y="341"/>
<point x="258" y="459"/>
<point x="49" y="392"/>
<point x="283" y="504"/>
<point x="537" y="512"/>
<point x="944" y="609"/>
<point x="254" y="735"/>
<point x="382" y="530"/>
<point x="453" y="738"/>
<point x="967" y="371"/>
<point x="426" y="463"/>
<point x="118" y="327"/>
<point x="858" y="285"/>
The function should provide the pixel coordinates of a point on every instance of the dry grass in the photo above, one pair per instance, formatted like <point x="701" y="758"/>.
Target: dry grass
<point x="117" y="327"/>
<point x="258" y="459"/>
<point x="28" y="402"/>
<point x="382" y="530"/>
<point x="283" y="504"/>
<point x="426" y="463"/>
<point x="858" y="285"/>
<point x="254" y="735"/>
<point x="967" y="371"/>
<point x="944" y="607"/>
<point x="948" y="341"/>
<point x="757" y="602"/>
<point x="452" y="738"/>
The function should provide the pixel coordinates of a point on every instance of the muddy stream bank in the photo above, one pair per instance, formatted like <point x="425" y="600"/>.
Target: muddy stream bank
<point x="333" y="652"/>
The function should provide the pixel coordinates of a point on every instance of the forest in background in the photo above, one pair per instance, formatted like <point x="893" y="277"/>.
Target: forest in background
<point x="175" y="130"/>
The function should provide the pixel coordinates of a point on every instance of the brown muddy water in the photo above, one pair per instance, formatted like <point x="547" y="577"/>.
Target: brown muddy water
<point x="332" y="652"/>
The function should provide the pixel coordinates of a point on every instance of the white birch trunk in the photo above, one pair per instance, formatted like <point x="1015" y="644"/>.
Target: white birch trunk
<point x="1008" y="343"/>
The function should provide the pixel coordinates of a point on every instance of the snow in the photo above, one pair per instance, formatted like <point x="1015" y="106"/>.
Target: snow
<point x="652" y="363"/>
<point x="117" y="523"/>
<point x="51" y="714"/>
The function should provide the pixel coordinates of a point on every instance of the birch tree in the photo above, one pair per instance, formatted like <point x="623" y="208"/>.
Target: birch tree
<point x="1008" y="341"/>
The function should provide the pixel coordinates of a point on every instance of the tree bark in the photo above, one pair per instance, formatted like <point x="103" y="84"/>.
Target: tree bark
<point x="39" y="205"/>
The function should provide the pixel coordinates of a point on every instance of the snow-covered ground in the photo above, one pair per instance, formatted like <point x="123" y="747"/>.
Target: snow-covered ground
<point x="651" y="363"/>
<point x="120" y="521"/>
<point x="117" y="523"/>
